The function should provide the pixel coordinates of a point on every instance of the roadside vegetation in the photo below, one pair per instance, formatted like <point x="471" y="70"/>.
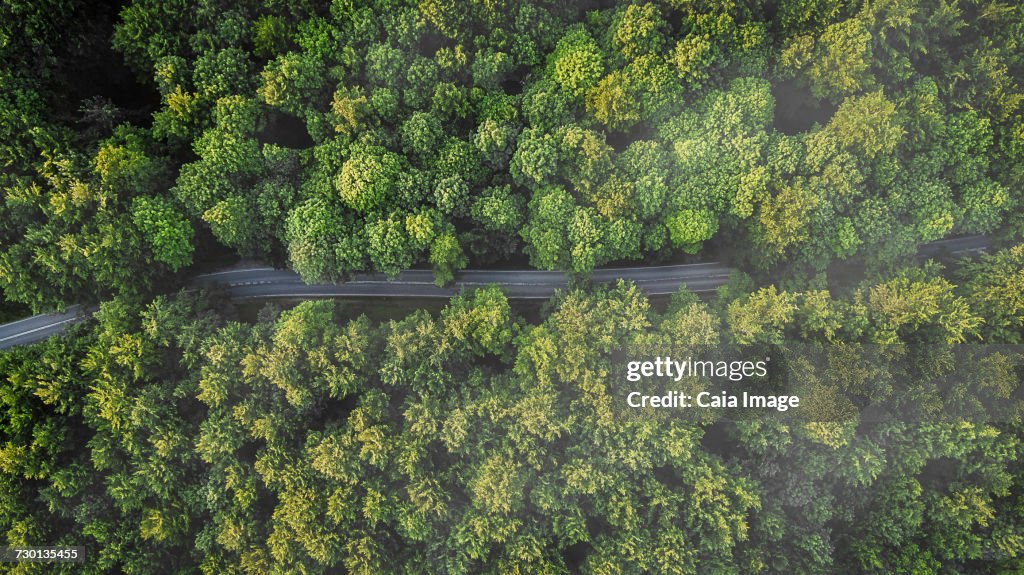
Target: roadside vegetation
<point x="347" y="137"/>
<point x="812" y="144"/>
<point x="168" y="438"/>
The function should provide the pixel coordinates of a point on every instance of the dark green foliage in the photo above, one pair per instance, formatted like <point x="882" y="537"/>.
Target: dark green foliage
<point x="165" y="438"/>
<point x="658" y="121"/>
<point x="69" y="173"/>
<point x="167" y="231"/>
<point x="352" y="136"/>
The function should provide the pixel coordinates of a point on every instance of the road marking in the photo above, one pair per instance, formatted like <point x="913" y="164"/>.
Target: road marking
<point x="238" y="271"/>
<point x="24" y="333"/>
<point x="72" y="308"/>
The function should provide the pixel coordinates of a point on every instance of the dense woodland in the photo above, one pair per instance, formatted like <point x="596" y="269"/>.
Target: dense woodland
<point x="812" y="144"/>
<point x="142" y="139"/>
<point x="168" y="438"/>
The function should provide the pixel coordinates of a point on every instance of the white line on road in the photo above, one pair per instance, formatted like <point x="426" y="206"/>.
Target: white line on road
<point x="238" y="271"/>
<point x="24" y="333"/>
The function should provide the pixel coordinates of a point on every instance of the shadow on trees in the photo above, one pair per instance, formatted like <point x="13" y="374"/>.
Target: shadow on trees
<point x="718" y="439"/>
<point x="285" y="130"/>
<point x="797" y="110"/>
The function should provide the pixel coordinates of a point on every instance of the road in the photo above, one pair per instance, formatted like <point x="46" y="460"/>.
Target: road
<point x="264" y="282"/>
<point x="970" y="246"/>
<point x="39" y="327"/>
<point x="260" y="282"/>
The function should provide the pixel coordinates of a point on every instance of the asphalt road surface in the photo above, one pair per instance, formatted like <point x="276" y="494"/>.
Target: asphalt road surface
<point x="970" y="246"/>
<point x="264" y="282"/>
<point x="267" y="283"/>
<point x="39" y="327"/>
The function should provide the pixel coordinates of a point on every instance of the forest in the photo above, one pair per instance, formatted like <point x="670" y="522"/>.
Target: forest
<point x="142" y="141"/>
<point x="814" y="146"/>
<point x="178" y="437"/>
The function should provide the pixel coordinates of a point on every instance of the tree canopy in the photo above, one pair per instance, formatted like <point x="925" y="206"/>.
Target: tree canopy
<point x="168" y="437"/>
<point x="813" y="145"/>
<point x="785" y="138"/>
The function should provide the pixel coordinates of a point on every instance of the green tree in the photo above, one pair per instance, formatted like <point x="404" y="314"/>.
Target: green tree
<point x="389" y="244"/>
<point x="546" y="241"/>
<point x="613" y="101"/>
<point x="867" y="125"/>
<point x="577" y="62"/>
<point x="421" y="134"/>
<point x="992" y="285"/>
<point x="446" y="256"/>
<point x="689" y="228"/>
<point x="498" y="209"/>
<point x="638" y="30"/>
<point x="167" y="231"/>
<point x="293" y="82"/>
<point x="369" y="179"/>
<point x="838" y="63"/>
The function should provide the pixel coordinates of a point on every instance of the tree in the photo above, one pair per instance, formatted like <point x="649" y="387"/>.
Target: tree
<point x="451" y="195"/>
<point x="446" y="256"/>
<point x="447" y="17"/>
<point x="807" y="14"/>
<point x="495" y="141"/>
<point x="689" y="228"/>
<point x="270" y="36"/>
<point x="992" y="286"/>
<point x="577" y="62"/>
<point x="913" y="303"/>
<point x="222" y="73"/>
<point x="167" y="231"/>
<point x="390" y="246"/>
<point x="586" y="238"/>
<point x="838" y="63"/>
<point x="421" y="134"/>
<point x="613" y="101"/>
<point x="692" y="57"/>
<point x="147" y="31"/>
<point x="312" y="232"/>
<point x="421" y="79"/>
<point x="498" y="210"/>
<point x="126" y="165"/>
<point x="482" y="324"/>
<point x="761" y="317"/>
<point x="292" y="82"/>
<point x="536" y="158"/>
<point x="719" y="150"/>
<point x="350" y="107"/>
<point x="544" y="233"/>
<point x="369" y="178"/>
<point x="785" y="218"/>
<point x="867" y="125"/>
<point x="490" y="67"/>
<point x="546" y="106"/>
<point x="638" y="30"/>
